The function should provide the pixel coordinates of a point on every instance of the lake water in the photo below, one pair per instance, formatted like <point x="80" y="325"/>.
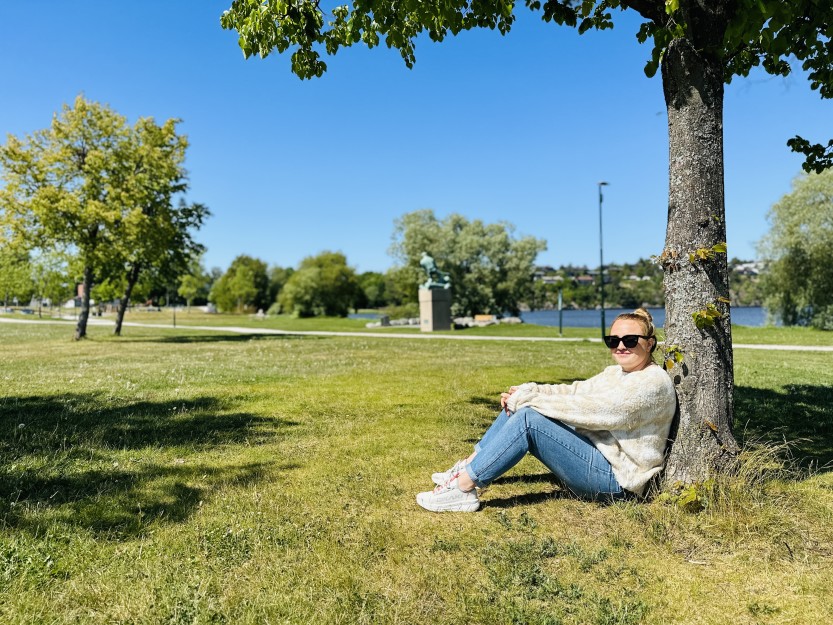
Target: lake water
<point x="741" y="315"/>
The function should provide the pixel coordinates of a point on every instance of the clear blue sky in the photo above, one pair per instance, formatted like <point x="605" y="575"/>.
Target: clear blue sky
<point x="517" y="128"/>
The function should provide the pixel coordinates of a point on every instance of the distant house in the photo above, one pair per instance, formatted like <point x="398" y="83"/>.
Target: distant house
<point x="585" y="279"/>
<point x="752" y="268"/>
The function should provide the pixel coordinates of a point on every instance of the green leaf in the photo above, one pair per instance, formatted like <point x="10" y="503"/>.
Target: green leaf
<point x="586" y="24"/>
<point x="586" y="8"/>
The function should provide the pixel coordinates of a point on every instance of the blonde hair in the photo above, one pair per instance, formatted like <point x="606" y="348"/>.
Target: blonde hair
<point x="644" y="318"/>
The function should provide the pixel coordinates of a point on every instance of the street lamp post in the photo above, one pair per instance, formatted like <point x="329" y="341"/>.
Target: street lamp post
<point x="601" y="260"/>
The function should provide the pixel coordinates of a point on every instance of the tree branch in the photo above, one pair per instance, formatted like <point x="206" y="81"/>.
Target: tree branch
<point x="649" y="9"/>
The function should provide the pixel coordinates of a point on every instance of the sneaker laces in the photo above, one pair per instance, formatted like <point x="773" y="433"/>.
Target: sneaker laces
<point x="442" y="488"/>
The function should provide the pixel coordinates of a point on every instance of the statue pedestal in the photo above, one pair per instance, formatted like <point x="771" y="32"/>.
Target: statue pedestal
<point x="434" y="309"/>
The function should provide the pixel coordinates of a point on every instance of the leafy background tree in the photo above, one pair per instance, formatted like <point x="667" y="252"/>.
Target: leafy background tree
<point x="373" y="290"/>
<point x="15" y="274"/>
<point x="798" y="250"/>
<point x="106" y="194"/>
<point x="157" y="233"/>
<point x="244" y="286"/>
<point x="278" y="277"/>
<point x="63" y="188"/>
<point x="400" y="292"/>
<point x="51" y="278"/>
<point x="491" y="270"/>
<point x="744" y="287"/>
<point x="322" y="285"/>
<point x="195" y="283"/>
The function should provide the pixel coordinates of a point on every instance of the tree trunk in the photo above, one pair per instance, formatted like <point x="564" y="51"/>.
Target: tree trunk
<point x="132" y="278"/>
<point x="693" y="86"/>
<point x="81" y="328"/>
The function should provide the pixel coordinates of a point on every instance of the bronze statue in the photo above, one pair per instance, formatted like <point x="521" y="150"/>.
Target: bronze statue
<point x="436" y="279"/>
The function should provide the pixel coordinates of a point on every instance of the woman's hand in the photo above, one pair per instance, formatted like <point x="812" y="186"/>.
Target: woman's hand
<point x="504" y="397"/>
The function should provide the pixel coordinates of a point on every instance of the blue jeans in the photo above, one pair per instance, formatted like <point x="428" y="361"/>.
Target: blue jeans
<point x="573" y="459"/>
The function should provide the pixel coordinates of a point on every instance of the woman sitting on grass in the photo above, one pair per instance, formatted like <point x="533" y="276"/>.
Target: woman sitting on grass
<point x="603" y="438"/>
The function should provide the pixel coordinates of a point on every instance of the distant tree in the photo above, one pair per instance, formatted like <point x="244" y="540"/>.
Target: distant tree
<point x="51" y="277"/>
<point x="64" y="188"/>
<point x="278" y="277"/>
<point x="107" y="191"/>
<point x="322" y="285"/>
<point x="542" y="296"/>
<point x="745" y="288"/>
<point x="195" y="283"/>
<point x="373" y="290"/>
<point x="491" y="270"/>
<point x="107" y="289"/>
<point x="215" y="274"/>
<point x="580" y="295"/>
<point x="156" y="234"/>
<point x="245" y="285"/>
<point x="399" y="286"/>
<point x="15" y="274"/>
<point x="635" y="285"/>
<point x="798" y="252"/>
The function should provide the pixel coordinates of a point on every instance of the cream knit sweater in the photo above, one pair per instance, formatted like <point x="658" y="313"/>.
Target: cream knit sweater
<point x="625" y="415"/>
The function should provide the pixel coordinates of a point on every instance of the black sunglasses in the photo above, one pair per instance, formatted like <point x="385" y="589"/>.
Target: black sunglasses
<point x="629" y="340"/>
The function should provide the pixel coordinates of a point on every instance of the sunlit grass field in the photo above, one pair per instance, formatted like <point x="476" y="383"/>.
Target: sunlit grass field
<point x="768" y="335"/>
<point x="184" y="476"/>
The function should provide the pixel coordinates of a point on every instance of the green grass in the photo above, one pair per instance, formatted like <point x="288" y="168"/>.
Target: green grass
<point x="176" y="476"/>
<point x="768" y="335"/>
<point x="771" y="335"/>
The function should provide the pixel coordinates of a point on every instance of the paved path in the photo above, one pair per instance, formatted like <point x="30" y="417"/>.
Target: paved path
<point x="391" y="335"/>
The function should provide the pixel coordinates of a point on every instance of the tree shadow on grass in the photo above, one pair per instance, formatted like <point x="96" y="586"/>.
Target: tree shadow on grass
<point x="488" y="402"/>
<point x="536" y="478"/>
<point x="43" y="424"/>
<point x="800" y="414"/>
<point x="118" y="502"/>
<point x="529" y="499"/>
<point x="548" y="478"/>
<point x="216" y="338"/>
<point x="112" y="466"/>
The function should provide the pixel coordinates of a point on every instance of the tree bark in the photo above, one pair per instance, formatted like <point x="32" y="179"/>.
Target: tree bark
<point x="693" y="86"/>
<point x="132" y="278"/>
<point x="81" y="327"/>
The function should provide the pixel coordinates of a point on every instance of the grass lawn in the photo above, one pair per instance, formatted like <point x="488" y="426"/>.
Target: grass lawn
<point x="767" y="335"/>
<point x="177" y="476"/>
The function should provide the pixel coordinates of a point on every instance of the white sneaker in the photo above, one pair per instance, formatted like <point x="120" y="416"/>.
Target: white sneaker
<point x="441" y="478"/>
<point x="449" y="498"/>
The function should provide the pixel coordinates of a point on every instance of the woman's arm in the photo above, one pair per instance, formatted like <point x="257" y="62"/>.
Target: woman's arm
<point x="613" y="401"/>
<point x="531" y="388"/>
